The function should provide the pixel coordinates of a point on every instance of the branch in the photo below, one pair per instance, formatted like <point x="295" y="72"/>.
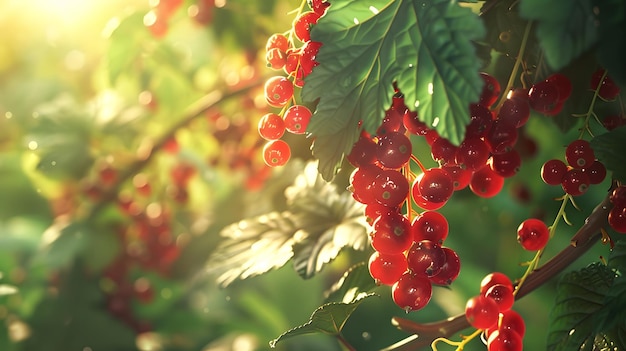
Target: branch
<point x="202" y="105"/>
<point x="584" y="239"/>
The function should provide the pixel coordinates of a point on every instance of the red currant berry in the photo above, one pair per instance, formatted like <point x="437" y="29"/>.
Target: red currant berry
<point x="491" y="90"/>
<point x="412" y="292"/>
<point x="472" y="154"/>
<point x="443" y="151"/>
<point x="422" y="202"/>
<point x="387" y="269"/>
<point x="562" y="84"/>
<point x="486" y="183"/>
<point x="430" y="225"/>
<point x="390" y="188"/>
<point x="276" y="59"/>
<point x="553" y="171"/>
<point x="607" y="89"/>
<point x="515" y="111"/>
<point x="617" y="219"/>
<point x="392" y="233"/>
<point x="278" y="91"/>
<point x="363" y="152"/>
<point x="460" y="176"/>
<point x="575" y="182"/>
<point x="543" y="96"/>
<point x="271" y="127"/>
<point x="361" y="182"/>
<point x="503" y="296"/>
<point x="450" y="270"/>
<point x="307" y="58"/>
<point x="435" y="185"/>
<point x="618" y="196"/>
<point x="302" y="25"/>
<point x="613" y="121"/>
<point x="492" y="279"/>
<point x="596" y="172"/>
<point x="481" y="312"/>
<point x="481" y="120"/>
<point x="425" y="257"/>
<point x="276" y="153"/>
<point x="297" y="119"/>
<point x="504" y="340"/>
<point x="413" y="124"/>
<point x="277" y="41"/>
<point x="319" y="6"/>
<point x="507" y="164"/>
<point x="394" y="150"/>
<point x="533" y="234"/>
<point x="501" y="137"/>
<point x="513" y="321"/>
<point x="579" y="154"/>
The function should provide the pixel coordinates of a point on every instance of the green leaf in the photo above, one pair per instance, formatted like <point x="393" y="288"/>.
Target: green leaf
<point x="320" y="222"/>
<point x="426" y="47"/>
<point x="60" y="245"/>
<point x="609" y="148"/>
<point x="505" y="28"/>
<point x="6" y="289"/>
<point x="354" y="282"/>
<point x="580" y="294"/>
<point x="617" y="260"/>
<point x="565" y="28"/>
<point x="328" y="319"/>
<point x="611" y="46"/>
<point x="125" y="46"/>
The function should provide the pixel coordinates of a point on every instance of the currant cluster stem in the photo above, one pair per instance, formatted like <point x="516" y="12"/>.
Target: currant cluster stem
<point x="518" y="62"/>
<point x="584" y="239"/>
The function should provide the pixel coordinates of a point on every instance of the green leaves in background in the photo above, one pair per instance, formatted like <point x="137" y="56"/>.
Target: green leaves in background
<point x="612" y="46"/>
<point x="589" y="309"/>
<point x="609" y="148"/>
<point x="565" y="28"/>
<point x="319" y="223"/>
<point x="426" y="47"/>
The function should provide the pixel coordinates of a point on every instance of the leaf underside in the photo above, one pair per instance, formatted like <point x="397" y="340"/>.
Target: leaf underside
<point x="609" y="148"/>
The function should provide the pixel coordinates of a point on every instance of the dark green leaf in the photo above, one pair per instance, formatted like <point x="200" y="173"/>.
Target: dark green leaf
<point x="426" y="47"/>
<point x="505" y="28"/>
<point x="580" y="294"/>
<point x="565" y="28"/>
<point x="328" y="319"/>
<point x="60" y="245"/>
<point x="614" y="309"/>
<point x="617" y="260"/>
<point x="612" y="46"/>
<point x="319" y="223"/>
<point x="609" y="148"/>
<point x="354" y="282"/>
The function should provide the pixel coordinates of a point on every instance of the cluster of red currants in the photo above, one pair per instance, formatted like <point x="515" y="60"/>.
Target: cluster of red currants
<point x="297" y="62"/>
<point x="491" y="311"/>
<point x="157" y="20"/>
<point x="582" y="169"/>
<point x="617" y="215"/>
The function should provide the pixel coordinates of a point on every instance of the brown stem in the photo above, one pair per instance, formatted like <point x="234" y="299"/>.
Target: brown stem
<point x="194" y="110"/>
<point x="584" y="239"/>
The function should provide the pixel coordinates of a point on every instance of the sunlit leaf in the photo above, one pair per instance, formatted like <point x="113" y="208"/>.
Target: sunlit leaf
<point x="320" y="221"/>
<point x="579" y="295"/>
<point x="328" y="319"/>
<point x="426" y="47"/>
<point x="565" y="28"/>
<point x="61" y="244"/>
<point x="355" y="282"/>
<point x="609" y="148"/>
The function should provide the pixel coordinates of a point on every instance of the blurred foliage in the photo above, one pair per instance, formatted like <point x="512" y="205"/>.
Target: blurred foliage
<point x="114" y="190"/>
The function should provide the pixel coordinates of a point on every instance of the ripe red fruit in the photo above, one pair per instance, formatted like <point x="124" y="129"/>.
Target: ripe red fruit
<point x="308" y="54"/>
<point x="390" y="188"/>
<point x="507" y="164"/>
<point x="297" y="119"/>
<point x="412" y="292"/>
<point x="492" y="279"/>
<point x="302" y="25"/>
<point x="543" y="96"/>
<point x="363" y="152"/>
<point x="596" y="172"/>
<point x="271" y="126"/>
<point x="502" y="136"/>
<point x="481" y="120"/>
<point x="392" y="233"/>
<point x="618" y="196"/>
<point x="491" y="90"/>
<point x="562" y="83"/>
<point x="430" y="225"/>
<point x="460" y="176"/>
<point x="277" y="41"/>
<point x="276" y="59"/>
<point x="278" y="91"/>
<point x="481" y="312"/>
<point x="503" y="296"/>
<point x="472" y="154"/>
<point x="443" y="151"/>
<point x="276" y="153"/>
<point x="515" y="110"/>
<point x="387" y="269"/>
<point x="450" y="269"/>
<point x="435" y="185"/>
<point x="425" y="257"/>
<point x="486" y="183"/>
<point x="504" y="340"/>
<point x="607" y="89"/>
<point x="393" y="150"/>
<point x="617" y="219"/>
<point x="553" y="171"/>
<point x="533" y="234"/>
<point x="575" y="182"/>
<point x="513" y="321"/>
<point x="579" y="154"/>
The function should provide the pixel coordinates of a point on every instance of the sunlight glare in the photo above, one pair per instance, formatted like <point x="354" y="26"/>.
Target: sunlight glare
<point x="63" y="10"/>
